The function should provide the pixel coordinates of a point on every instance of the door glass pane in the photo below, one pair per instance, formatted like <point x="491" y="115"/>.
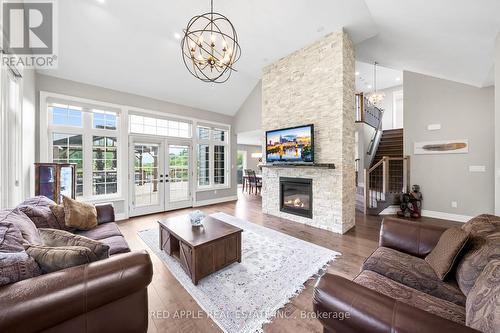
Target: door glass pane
<point x="146" y="175"/>
<point x="178" y="159"/>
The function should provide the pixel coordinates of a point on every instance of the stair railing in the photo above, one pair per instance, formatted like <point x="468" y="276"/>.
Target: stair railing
<point x="389" y="175"/>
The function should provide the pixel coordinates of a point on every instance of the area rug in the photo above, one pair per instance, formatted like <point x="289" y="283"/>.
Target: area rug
<point x="244" y="296"/>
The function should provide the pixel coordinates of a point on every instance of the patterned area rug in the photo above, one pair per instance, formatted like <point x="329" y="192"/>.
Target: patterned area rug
<point x="244" y="296"/>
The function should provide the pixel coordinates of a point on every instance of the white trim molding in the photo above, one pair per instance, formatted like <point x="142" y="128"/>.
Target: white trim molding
<point x="446" y="216"/>
<point x="202" y="203"/>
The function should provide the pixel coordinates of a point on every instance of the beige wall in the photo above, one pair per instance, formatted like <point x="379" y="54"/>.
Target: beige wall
<point x="464" y="112"/>
<point x="248" y="117"/>
<point x="497" y="126"/>
<point x="72" y="88"/>
<point x="316" y="85"/>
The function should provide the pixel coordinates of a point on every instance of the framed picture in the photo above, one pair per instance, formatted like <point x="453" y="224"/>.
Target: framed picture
<point x="441" y="147"/>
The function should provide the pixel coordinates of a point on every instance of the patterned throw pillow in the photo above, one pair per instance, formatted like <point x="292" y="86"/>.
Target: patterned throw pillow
<point x="444" y="254"/>
<point x="51" y="259"/>
<point x="55" y="238"/>
<point x="481" y="251"/>
<point x="483" y="301"/>
<point x="17" y="266"/>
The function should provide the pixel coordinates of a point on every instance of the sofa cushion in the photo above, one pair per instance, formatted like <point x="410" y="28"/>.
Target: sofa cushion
<point x="446" y="251"/>
<point x="410" y="296"/>
<point x="481" y="251"/>
<point x="17" y="266"/>
<point x="55" y="238"/>
<point x="117" y="244"/>
<point x="51" y="259"/>
<point x="79" y="215"/>
<point x="413" y="272"/>
<point x="38" y="210"/>
<point x="27" y="228"/>
<point x="483" y="301"/>
<point x="101" y="231"/>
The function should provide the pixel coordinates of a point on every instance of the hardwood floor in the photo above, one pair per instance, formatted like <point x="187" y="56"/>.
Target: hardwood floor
<point x="174" y="310"/>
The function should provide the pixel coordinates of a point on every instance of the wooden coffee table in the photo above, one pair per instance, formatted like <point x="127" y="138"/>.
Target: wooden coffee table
<point x="202" y="250"/>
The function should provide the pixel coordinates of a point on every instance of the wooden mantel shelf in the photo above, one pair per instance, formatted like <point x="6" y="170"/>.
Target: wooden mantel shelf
<point x="299" y="165"/>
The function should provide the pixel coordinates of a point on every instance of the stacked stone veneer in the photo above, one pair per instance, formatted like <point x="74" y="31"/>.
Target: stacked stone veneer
<point x="315" y="85"/>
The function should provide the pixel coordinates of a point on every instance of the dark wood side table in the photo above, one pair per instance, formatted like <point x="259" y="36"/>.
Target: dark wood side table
<point x="202" y="250"/>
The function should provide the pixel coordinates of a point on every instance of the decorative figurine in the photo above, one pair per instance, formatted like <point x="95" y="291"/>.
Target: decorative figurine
<point x="196" y="218"/>
<point x="411" y="203"/>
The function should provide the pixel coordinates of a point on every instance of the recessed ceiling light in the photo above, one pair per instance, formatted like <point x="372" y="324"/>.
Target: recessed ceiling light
<point x="177" y="36"/>
<point x="398" y="79"/>
<point x="101" y="1"/>
<point x="357" y="73"/>
<point x="369" y="86"/>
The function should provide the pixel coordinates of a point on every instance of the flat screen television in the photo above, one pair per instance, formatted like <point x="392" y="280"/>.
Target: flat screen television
<point x="290" y="145"/>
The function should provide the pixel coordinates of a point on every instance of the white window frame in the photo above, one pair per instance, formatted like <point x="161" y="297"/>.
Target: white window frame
<point x="88" y="132"/>
<point x="211" y="142"/>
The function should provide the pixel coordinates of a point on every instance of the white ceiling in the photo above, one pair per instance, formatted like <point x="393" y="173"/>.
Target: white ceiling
<point x="386" y="77"/>
<point x="130" y="46"/>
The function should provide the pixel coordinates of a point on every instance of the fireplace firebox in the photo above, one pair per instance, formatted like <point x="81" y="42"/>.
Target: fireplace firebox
<point x="296" y="196"/>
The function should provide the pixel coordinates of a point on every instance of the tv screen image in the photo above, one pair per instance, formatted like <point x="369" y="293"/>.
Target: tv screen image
<point x="293" y="145"/>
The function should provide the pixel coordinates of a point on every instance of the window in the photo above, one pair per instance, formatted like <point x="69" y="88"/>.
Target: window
<point x="104" y="165"/>
<point x="213" y="163"/>
<point x="219" y="165"/>
<point x="68" y="148"/>
<point x="159" y="126"/>
<point x="66" y="115"/>
<point x="203" y="165"/>
<point x="104" y="120"/>
<point x="86" y="137"/>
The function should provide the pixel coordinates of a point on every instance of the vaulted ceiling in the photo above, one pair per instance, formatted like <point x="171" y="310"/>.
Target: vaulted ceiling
<point x="131" y="46"/>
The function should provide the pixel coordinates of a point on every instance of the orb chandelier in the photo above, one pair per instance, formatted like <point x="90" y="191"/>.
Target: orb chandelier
<point x="376" y="97"/>
<point x="210" y="47"/>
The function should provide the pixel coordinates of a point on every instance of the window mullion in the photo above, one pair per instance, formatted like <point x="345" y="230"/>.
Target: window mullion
<point x="87" y="155"/>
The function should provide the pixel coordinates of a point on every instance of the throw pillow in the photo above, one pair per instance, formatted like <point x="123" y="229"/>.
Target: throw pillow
<point x="17" y="266"/>
<point x="443" y="256"/>
<point x="11" y="239"/>
<point x="58" y="212"/>
<point x="479" y="253"/>
<point x="55" y="238"/>
<point x="79" y="215"/>
<point x="51" y="259"/>
<point x="28" y="230"/>
<point x="483" y="301"/>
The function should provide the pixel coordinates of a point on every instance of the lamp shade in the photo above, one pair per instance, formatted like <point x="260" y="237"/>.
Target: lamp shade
<point x="256" y="155"/>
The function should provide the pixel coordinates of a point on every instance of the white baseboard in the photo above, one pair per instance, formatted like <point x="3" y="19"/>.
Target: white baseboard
<point x="215" y="201"/>
<point x="446" y="216"/>
<point x="121" y="217"/>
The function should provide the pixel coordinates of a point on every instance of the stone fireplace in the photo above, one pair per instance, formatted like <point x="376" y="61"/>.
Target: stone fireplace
<point x="296" y="196"/>
<point x="314" y="85"/>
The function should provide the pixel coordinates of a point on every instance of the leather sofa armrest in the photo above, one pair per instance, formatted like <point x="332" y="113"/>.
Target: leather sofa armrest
<point x="38" y="303"/>
<point x="105" y="213"/>
<point x="410" y="237"/>
<point x="365" y="310"/>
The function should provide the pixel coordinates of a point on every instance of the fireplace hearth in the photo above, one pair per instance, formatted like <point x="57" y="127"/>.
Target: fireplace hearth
<point x="296" y="196"/>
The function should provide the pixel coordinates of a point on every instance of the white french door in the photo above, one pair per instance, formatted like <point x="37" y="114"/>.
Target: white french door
<point x="161" y="175"/>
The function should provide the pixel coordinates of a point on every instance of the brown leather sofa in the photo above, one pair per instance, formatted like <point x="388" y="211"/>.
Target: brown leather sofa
<point x="395" y="291"/>
<point x="104" y="296"/>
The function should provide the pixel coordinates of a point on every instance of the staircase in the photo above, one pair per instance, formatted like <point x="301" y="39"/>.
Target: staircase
<point x="391" y="145"/>
<point x="388" y="175"/>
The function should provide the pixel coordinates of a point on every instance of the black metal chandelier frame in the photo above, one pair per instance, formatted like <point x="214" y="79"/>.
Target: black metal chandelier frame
<point x="212" y="65"/>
